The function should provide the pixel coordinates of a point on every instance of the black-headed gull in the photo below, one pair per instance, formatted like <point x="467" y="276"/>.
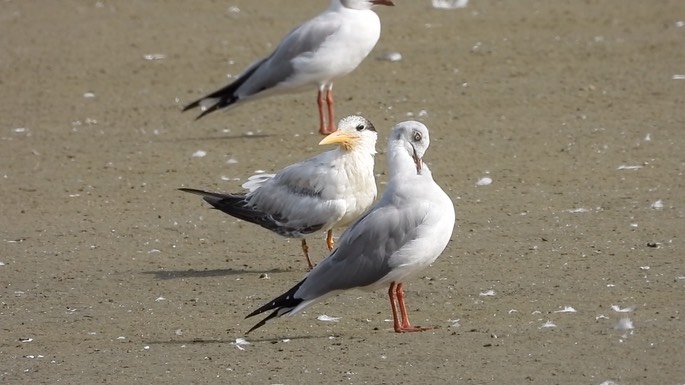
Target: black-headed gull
<point x="402" y="234"/>
<point x="329" y="190"/>
<point x="322" y="49"/>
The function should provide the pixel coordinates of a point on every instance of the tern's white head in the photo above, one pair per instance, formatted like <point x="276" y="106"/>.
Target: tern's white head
<point x="354" y="133"/>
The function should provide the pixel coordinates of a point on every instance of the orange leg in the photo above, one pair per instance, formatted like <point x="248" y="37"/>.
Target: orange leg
<point x="405" y="327"/>
<point x="329" y="240"/>
<point x="305" y="249"/>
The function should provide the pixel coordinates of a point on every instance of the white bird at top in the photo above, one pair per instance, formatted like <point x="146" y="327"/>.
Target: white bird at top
<point x="322" y="49"/>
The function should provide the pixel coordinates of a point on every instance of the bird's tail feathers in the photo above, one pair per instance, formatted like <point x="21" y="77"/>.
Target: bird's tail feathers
<point x="283" y="304"/>
<point x="222" y="97"/>
<point x="210" y="103"/>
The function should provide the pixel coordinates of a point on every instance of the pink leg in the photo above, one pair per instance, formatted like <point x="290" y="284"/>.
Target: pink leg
<point x="405" y="326"/>
<point x="393" y="306"/>
<point x="331" y="114"/>
<point x="322" y="121"/>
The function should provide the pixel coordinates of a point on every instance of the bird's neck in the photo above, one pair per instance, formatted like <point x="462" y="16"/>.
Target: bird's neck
<point x="361" y="156"/>
<point x="400" y="163"/>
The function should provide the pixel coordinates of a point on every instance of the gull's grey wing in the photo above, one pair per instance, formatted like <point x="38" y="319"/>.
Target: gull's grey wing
<point x="306" y="38"/>
<point x="361" y="259"/>
<point x="362" y="256"/>
<point x="278" y="67"/>
<point x="269" y="72"/>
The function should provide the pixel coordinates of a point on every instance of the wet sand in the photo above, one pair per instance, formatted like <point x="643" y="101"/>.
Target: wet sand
<point x="111" y="275"/>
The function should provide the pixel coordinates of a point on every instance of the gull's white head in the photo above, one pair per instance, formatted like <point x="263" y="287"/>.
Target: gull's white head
<point x="410" y="137"/>
<point x="354" y="133"/>
<point x="364" y="4"/>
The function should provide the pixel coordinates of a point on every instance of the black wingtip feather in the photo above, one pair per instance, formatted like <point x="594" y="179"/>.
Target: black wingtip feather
<point x="192" y="105"/>
<point x="225" y="96"/>
<point x="282" y="305"/>
<point x="216" y="199"/>
<point x="193" y="191"/>
<point x="211" y="109"/>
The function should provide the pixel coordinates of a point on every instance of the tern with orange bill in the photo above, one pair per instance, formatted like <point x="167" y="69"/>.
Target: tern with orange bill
<point x="329" y="190"/>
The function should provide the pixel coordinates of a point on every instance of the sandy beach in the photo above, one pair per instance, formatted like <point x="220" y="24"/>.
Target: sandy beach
<point x="564" y="270"/>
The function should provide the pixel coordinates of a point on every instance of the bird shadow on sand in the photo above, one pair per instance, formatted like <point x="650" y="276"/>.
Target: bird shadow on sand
<point x="203" y="341"/>
<point x="226" y="137"/>
<point x="192" y="273"/>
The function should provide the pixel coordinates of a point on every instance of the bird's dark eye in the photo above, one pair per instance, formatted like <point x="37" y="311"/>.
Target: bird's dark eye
<point x="417" y="137"/>
<point x="360" y="127"/>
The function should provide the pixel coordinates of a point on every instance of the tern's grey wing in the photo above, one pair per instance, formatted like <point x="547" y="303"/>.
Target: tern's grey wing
<point x="363" y="253"/>
<point x="237" y="205"/>
<point x="310" y="176"/>
<point x="300" y="195"/>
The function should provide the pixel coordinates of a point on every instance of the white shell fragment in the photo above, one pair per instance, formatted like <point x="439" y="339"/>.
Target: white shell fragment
<point x="154" y="56"/>
<point x="449" y="4"/>
<point x="199" y="154"/>
<point x="567" y="309"/>
<point x="484" y="181"/>
<point x="658" y="205"/>
<point x="390" y="56"/>
<point x="578" y="210"/>
<point x="239" y="342"/>
<point x="618" y="309"/>
<point x="327" y="318"/>
<point x="629" y="167"/>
